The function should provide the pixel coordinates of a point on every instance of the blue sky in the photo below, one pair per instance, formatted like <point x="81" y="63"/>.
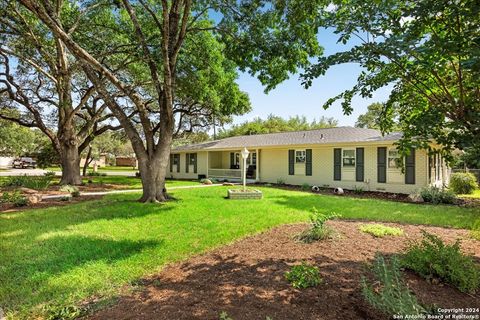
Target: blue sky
<point x="290" y="98"/>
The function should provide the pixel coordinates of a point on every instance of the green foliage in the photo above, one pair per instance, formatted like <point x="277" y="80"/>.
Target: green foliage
<point x="59" y="312"/>
<point x="16" y="140"/>
<point x="371" y="119"/>
<point x="388" y="293"/>
<point x="73" y="190"/>
<point x="275" y="124"/>
<point x="437" y="195"/>
<point x="303" y="276"/>
<point x="305" y="187"/>
<point x="431" y="258"/>
<point x="318" y="230"/>
<point x="380" y="230"/>
<point x="475" y="232"/>
<point x="47" y="156"/>
<point x="15" y="198"/>
<point x="224" y="316"/>
<point x="280" y="181"/>
<point x="96" y="174"/>
<point x="431" y="64"/>
<point x="463" y="183"/>
<point x="358" y="190"/>
<point x="31" y="182"/>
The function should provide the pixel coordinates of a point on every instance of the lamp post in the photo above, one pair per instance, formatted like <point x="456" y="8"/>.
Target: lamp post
<point x="245" y="154"/>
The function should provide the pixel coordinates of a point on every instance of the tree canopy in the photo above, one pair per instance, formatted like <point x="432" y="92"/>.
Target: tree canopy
<point x="372" y="118"/>
<point x="276" y="124"/>
<point x="428" y="51"/>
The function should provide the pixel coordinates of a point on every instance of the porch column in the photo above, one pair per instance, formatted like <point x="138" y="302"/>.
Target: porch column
<point x="208" y="166"/>
<point x="257" y="166"/>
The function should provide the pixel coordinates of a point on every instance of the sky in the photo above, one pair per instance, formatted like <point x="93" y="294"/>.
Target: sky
<point x="291" y="99"/>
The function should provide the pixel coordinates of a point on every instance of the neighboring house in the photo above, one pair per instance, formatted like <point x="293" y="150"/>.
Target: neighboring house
<point x="335" y="157"/>
<point x="6" y="162"/>
<point x="126" y="161"/>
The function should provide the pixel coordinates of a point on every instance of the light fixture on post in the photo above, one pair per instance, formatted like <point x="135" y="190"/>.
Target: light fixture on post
<point x="245" y="154"/>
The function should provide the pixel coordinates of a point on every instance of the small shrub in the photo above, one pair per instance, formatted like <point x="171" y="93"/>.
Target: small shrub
<point x="380" y="230"/>
<point x="96" y="174"/>
<point x="65" y="198"/>
<point x="463" y="183"/>
<point x="57" y="312"/>
<point x="15" y="198"/>
<point x="224" y="316"/>
<point x="437" y="195"/>
<point x="280" y="181"/>
<point x="68" y="188"/>
<point x="318" y="230"/>
<point x="357" y="190"/>
<point x="388" y="293"/>
<point x="137" y="174"/>
<point x="305" y="187"/>
<point x="432" y="258"/>
<point x="303" y="276"/>
<point x="75" y="193"/>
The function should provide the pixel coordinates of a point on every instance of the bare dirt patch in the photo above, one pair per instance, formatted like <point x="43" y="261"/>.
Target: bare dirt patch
<point x="246" y="279"/>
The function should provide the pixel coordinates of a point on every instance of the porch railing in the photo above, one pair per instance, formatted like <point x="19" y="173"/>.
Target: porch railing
<point x="225" y="173"/>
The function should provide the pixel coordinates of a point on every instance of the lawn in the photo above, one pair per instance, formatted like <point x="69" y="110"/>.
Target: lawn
<point x="122" y="182"/>
<point x="475" y="194"/>
<point x="64" y="255"/>
<point x="107" y="168"/>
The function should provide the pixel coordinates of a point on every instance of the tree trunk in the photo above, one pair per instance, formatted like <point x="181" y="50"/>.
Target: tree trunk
<point x="70" y="160"/>
<point x="87" y="161"/>
<point x="152" y="172"/>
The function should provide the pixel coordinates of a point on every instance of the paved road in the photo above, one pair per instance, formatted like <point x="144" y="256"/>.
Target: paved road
<point x="39" y="172"/>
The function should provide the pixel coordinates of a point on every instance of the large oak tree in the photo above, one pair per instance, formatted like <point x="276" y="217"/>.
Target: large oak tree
<point x="269" y="39"/>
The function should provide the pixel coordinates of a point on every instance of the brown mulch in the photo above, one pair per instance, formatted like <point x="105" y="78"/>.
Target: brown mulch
<point x="8" y="207"/>
<point x="246" y="279"/>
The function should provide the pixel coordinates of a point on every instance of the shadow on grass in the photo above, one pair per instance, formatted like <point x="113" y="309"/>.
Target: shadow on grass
<point x="39" y="265"/>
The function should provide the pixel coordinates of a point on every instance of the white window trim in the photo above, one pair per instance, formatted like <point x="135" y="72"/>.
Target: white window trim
<point x="354" y="157"/>
<point x="304" y="156"/>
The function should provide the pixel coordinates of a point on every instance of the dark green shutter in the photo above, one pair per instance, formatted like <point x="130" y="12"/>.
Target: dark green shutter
<point x="337" y="164"/>
<point x="410" y="167"/>
<point x="308" y="162"/>
<point x="171" y="162"/>
<point x="187" y="162"/>
<point x="360" y="164"/>
<point x="194" y="155"/>
<point x="178" y="162"/>
<point x="382" y="164"/>
<point x="291" y="162"/>
<point x="232" y="159"/>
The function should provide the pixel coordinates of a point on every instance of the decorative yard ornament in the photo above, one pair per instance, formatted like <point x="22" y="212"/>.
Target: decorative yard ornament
<point x="245" y="154"/>
<point x="315" y="188"/>
<point x="338" y="191"/>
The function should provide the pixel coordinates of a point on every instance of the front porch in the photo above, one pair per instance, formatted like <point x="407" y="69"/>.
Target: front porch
<point x="228" y="165"/>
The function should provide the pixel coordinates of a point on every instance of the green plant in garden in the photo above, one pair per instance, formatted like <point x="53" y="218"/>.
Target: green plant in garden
<point x="31" y="182"/>
<point x="380" y="230"/>
<point x="437" y="195"/>
<point x="388" y="293"/>
<point x="432" y="258"/>
<point x="475" y="232"/>
<point x="303" y="276"/>
<point x="318" y="230"/>
<point x="15" y="198"/>
<point x="306" y="187"/>
<point x="463" y="183"/>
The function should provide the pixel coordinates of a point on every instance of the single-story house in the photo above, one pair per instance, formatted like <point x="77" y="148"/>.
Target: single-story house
<point x="344" y="157"/>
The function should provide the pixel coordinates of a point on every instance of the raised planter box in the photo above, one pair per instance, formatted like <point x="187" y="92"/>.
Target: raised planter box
<point x="247" y="194"/>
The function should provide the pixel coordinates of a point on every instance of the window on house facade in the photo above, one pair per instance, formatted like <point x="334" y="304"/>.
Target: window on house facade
<point x="237" y="158"/>
<point x="252" y="159"/>
<point x="300" y="156"/>
<point x="191" y="160"/>
<point x="393" y="158"/>
<point x="348" y="158"/>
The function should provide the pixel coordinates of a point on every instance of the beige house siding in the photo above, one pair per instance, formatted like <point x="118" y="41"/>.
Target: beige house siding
<point x="274" y="167"/>
<point x="201" y="166"/>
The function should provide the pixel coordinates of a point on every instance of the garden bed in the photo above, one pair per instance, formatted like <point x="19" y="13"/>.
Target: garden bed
<point x="45" y="203"/>
<point x="246" y="279"/>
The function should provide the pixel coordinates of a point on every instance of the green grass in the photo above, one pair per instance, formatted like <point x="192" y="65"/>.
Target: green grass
<point x="380" y="230"/>
<point x="475" y="194"/>
<point x="67" y="254"/>
<point x="107" y="168"/>
<point x="123" y="181"/>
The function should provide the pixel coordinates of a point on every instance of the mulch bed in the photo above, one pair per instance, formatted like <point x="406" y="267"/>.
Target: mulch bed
<point x="8" y="207"/>
<point x="246" y="279"/>
<point x="400" y="197"/>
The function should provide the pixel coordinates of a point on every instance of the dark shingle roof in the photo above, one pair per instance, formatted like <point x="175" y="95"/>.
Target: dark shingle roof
<point x="318" y="136"/>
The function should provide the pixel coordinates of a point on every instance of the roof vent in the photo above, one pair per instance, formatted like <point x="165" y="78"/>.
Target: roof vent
<point x="321" y="136"/>
<point x="304" y="134"/>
